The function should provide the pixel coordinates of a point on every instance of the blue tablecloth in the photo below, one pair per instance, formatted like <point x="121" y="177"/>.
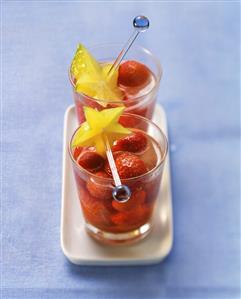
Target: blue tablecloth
<point x="198" y="44"/>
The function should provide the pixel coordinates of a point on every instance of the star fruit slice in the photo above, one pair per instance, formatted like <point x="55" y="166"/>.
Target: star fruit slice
<point x="91" y="78"/>
<point x="100" y="125"/>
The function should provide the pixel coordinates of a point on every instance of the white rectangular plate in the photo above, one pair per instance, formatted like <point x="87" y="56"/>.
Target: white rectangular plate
<point x="81" y="249"/>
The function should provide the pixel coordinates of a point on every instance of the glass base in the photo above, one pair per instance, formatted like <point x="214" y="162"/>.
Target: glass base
<point x="118" y="238"/>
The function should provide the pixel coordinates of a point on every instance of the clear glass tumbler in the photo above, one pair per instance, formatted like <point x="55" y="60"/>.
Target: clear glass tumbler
<point x="144" y="103"/>
<point x="113" y="222"/>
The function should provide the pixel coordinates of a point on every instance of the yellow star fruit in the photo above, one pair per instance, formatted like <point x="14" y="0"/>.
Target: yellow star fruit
<point x="98" y="126"/>
<point x="92" y="78"/>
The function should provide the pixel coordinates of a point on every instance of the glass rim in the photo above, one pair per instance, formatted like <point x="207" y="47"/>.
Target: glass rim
<point x="161" y="162"/>
<point x="146" y="51"/>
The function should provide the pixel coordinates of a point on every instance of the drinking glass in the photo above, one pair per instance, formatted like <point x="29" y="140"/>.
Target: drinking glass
<point x="143" y="104"/>
<point x="114" y="222"/>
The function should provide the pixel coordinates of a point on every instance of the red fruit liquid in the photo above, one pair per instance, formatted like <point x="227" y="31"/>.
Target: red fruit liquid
<point x="95" y="192"/>
<point x="139" y="96"/>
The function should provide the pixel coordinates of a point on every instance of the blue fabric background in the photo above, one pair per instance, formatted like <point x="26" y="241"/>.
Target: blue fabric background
<point x="198" y="44"/>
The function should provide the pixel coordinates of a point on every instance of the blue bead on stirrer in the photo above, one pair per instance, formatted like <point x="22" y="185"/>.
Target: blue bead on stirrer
<point x="122" y="193"/>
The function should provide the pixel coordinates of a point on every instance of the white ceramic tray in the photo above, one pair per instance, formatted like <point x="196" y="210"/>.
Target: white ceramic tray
<point x="81" y="249"/>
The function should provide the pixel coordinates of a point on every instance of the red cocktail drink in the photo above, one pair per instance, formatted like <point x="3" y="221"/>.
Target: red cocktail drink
<point x="139" y="159"/>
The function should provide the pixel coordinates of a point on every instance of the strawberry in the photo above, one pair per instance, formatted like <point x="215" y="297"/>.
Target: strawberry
<point x="79" y="178"/>
<point x="152" y="188"/>
<point x="107" y="166"/>
<point x="90" y="160"/>
<point x="129" y="165"/>
<point x="77" y="151"/>
<point x="98" y="189"/>
<point x="94" y="210"/>
<point x="130" y="220"/>
<point x="137" y="198"/>
<point x="133" y="74"/>
<point x="134" y="143"/>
